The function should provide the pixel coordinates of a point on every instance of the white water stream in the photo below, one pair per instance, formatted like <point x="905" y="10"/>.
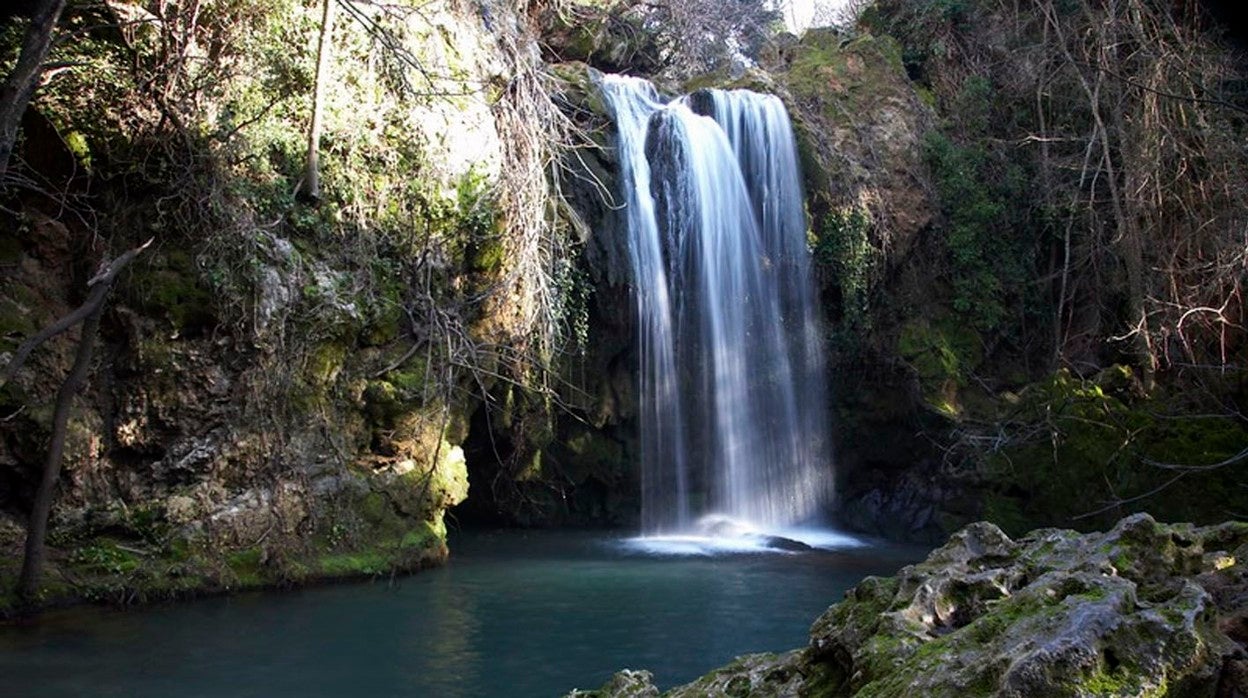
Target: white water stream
<point x="733" y="402"/>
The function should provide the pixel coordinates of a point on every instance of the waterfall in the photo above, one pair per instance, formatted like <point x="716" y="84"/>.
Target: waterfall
<point x="733" y="414"/>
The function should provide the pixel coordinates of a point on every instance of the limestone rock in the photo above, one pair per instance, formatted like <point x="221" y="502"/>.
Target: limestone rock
<point x="860" y="126"/>
<point x="625" y="684"/>
<point x="1145" y="609"/>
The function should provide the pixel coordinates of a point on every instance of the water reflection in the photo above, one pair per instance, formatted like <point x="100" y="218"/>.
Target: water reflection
<point x="516" y="614"/>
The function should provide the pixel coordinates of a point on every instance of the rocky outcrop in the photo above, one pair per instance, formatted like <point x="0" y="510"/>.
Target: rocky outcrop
<point x="861" y="125"/>
<point x="1146" y="609"/>
<point x="283" y="388"/>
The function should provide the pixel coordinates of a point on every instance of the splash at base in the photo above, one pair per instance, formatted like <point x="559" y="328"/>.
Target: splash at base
<point x="716" y="534"/>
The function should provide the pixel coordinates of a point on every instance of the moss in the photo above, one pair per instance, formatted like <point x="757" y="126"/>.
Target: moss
<point x="178" y="550"/>
<point x="1102" y="683"/>
<point x="324" y="363"/>
<point x="366" y="563"/>
<point x="246" y="566"/>
<point x="592" y="455"/>
<point x="385" y="316"/>
<point x="531" y="468"/>
<point x="486" y="254"/>
<point x="1007" y="513"/>
<point x="104" y="556"/>
<point x="77" y="145"/>
<point x="421" y="538"/>
<point x="1071" y="444"/>
<point x="375" y="509"/>
<point x="943" y="353"/>
<point x="411" y="380"/>
<point x="168" y="285"/>
<point x="381" y="401"/>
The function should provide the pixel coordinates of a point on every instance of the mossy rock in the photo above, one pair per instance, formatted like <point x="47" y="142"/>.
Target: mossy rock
<point x="168" y="285"/>
<point x="1135" y="611"/>
<point x="580" y="87"/>
<point x="943" y="354"/>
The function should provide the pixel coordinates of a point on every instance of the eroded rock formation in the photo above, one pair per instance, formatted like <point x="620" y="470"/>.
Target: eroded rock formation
<point x="1145" y="609"/>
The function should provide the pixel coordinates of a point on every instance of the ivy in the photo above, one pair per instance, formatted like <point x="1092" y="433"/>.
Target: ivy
<point x="845" y="248"/>
<point x="985" y="235"/>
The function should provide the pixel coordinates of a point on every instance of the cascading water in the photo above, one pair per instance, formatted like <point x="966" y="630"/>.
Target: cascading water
<point x="733" y="409"/>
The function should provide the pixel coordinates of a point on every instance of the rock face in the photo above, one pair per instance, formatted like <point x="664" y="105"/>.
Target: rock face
<point x="861" y="126"/>
<point x="1146" y="609"/>
<point x="275" y="397"/>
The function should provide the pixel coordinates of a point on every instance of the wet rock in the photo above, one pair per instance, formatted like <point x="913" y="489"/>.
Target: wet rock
<point x="908" y="506"/>
<point x="756" y="675"/>
<point x="782" y="543"/>
<point x="625" y="684"/>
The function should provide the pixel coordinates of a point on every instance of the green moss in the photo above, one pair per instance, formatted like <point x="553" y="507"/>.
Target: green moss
<point x="486" y="255"/>
<point x="425" y="536"/>
<point x="168" y="285"/>
<point x="1072" y="444"/>
<point x="1102" y="683"/>
<point x="178" y="550"/>
<point x="411" y="380"/>
<point x="594" y="454"/>
<point x="77" y="145"/>
<point x="324" y="362"/>
<point x="104" y="556"/>
<point x="375" y="508"/>
<point x="844" y="246"/>
<point x="365" y="563"/>
<point x="943" y="352"/>
<point x="1007" y="513"/>
<point x="382" y="401"/>
<point x="926" y="96"/>
<point x="385" y="316"/>
<point x="246" y="566"/>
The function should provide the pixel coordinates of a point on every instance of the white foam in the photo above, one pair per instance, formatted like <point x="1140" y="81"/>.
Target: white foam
<point x="754" y="541"/>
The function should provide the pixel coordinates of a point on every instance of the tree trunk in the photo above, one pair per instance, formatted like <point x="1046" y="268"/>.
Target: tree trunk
<point x="311" y="187"/>
<point x="89" y="313"/>
<point x="37" y="530"/>
<point x="20" y="85"/>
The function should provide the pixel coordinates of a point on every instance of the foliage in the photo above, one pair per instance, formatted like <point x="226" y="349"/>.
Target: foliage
<point x="1082" y="452"/>
<point x="429" y="271"/>
<point x="987" y="237"/>
<point x="845" y="247"/>
<point x="1121" y="122"/>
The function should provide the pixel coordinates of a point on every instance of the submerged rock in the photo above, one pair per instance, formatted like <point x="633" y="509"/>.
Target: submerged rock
<point x="1146" y="609"/>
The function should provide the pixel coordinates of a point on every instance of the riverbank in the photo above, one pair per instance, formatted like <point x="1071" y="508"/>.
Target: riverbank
<point x="118" y="571"/>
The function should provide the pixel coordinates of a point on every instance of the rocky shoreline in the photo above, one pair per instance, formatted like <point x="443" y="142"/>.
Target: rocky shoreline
<point x="1145" y="609"/>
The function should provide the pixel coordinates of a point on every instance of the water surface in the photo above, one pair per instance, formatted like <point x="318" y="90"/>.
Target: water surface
<point x="513" y="614"/>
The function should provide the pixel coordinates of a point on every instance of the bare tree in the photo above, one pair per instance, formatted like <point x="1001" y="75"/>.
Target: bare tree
<point x="697" y="36"/>
<point x="21" y="83"/>
<point x="88" y="314"/>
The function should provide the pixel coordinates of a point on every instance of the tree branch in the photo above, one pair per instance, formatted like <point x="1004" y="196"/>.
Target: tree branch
<point x="100" y="285"/>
